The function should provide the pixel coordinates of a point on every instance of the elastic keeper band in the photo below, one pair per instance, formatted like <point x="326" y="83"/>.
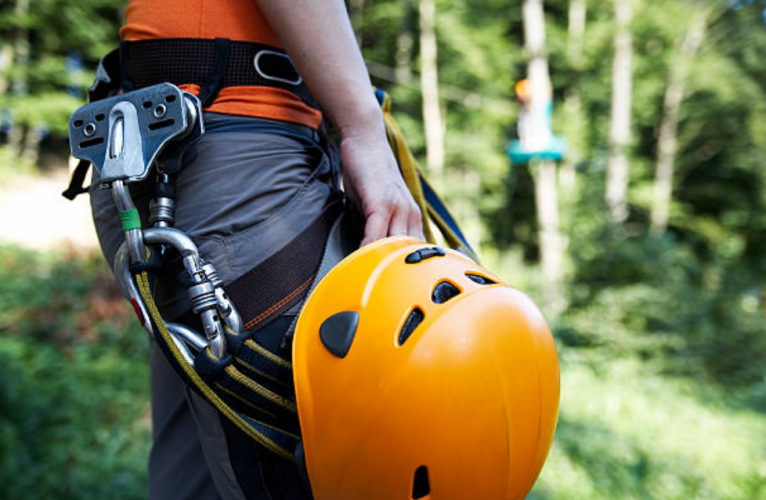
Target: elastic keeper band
<point x="208" y="367"/>
<point x="234" y="342"/>
<point x="130" y="219"/>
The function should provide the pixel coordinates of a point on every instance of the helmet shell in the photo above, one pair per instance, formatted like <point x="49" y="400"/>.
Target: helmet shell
<point x="465" y="407"/>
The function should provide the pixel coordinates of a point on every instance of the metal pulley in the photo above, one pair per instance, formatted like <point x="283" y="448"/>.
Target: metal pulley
<point x="124" y="137"/>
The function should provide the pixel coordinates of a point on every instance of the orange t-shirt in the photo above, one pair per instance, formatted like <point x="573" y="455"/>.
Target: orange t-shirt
<point x="240" y="20"/>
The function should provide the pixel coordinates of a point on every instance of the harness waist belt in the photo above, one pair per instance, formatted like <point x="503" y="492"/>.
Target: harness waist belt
<point x="212" y="64"/>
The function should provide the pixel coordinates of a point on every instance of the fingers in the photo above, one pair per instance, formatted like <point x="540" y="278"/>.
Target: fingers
<point x="398" y="224"/>
<point x="376" y="227"/>
<point x="372" y="179"/>
<point x="415" y="224"/>
<point x="407" y="222"/>
<point x="401" y="219"/>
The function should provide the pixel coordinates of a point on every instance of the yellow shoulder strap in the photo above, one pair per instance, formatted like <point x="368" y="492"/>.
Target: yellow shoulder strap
<point x="431" y="205"/>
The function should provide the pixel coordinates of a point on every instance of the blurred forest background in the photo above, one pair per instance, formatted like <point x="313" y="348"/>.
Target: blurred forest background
<point x="655" y="291"/>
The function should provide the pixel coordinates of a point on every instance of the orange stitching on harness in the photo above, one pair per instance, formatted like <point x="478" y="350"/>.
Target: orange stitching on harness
<point x="271" y="310"/>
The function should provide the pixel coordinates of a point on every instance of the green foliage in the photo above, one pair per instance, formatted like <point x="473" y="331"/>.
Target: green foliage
<point x="46" y="110"/>
<point x="56" y="29"/>
<point x="627" y="432"/>
<point x="73" y="406"/>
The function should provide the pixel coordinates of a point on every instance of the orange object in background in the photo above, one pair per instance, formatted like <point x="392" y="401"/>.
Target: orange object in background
<point x="462" y="406"/>
<point x="522" y="90"/>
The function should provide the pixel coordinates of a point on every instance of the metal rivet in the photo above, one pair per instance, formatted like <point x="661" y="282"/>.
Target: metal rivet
<point x="89" y="129"/>
<point x="160" y="110"/>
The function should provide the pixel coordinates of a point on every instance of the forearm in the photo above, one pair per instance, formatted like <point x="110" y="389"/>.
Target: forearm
<point x="318" y="36"/>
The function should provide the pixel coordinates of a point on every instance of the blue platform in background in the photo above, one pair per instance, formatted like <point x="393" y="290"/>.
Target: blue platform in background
<point x="520" y="155"/>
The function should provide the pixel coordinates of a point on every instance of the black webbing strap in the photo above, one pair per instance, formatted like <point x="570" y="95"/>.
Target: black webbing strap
<point x="221" y="53"/>
<point x="235" y="384"/>
<point x="273" y="286"/>
<point x="108" y="79"/>
<point x="253" y="359"/>
<point x="77" y="181"/>
<point x="213" y="64"/>
<point x="280" y="438"/>
<point x="106" y="83"/>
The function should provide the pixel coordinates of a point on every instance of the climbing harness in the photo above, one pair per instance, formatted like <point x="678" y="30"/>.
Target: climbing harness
<point x="210" y="64"/>
<point x="219" y="63"/>
<point x="139" y="137"/>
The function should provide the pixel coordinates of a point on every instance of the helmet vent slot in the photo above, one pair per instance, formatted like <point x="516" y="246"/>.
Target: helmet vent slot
<point x="413" y="320"/>
<point x="480" y="279"/>
<point x="443" y="292"/>
<point x="421" y="487"/>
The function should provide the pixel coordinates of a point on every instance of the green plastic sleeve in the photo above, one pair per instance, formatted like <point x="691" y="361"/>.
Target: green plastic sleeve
<point x="130" y="219"/>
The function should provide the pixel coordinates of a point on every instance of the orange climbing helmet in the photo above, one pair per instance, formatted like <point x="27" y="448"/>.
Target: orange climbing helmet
<point x="419" y="374"/>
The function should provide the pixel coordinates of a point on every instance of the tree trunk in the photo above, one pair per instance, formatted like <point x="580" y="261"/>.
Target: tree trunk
<point x="429" y="82"/>
<point x="617" y="175"/>
<point x="31" y="151"/>
<point x="551" y="242"/>
<point x="667" y="142"/>
<point x="404" y="43"/>
<point x="21" y="48"/>
<point x="6" y="63"/>
<point x="576" y="31"/>
<point x="19" y="82"/>
<point x="356" y="9"/>
<point x="572" y="105"/>
<point x="546" y="195"/>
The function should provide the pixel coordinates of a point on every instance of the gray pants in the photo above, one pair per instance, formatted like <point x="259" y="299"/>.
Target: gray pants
<point x="247" y="188"/>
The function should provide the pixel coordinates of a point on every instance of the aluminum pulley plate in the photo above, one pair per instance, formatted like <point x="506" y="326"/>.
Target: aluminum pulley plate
<point x="123" y="135"/>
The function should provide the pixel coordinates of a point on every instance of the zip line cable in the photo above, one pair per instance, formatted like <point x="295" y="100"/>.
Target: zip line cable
<point x="448" y="92"/>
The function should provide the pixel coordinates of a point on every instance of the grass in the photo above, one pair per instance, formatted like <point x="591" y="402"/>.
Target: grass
<point x="628" y="432"/>
<point x="641" y="416"/>
<point x="12" y="166"/>
<point x="74" y="411"/>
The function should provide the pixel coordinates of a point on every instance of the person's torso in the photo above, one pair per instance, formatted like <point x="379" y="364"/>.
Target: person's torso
<point x="240" y="20"/>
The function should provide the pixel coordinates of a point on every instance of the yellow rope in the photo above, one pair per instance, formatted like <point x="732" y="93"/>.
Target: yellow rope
<point x="258" y="372"/>
<point x="142" y="281"/>
<point x="260" y="390"/>
<point x="268" y="354"/>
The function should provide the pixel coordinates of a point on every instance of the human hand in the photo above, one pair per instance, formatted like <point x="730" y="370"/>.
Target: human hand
<point x="372" y="179"/>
